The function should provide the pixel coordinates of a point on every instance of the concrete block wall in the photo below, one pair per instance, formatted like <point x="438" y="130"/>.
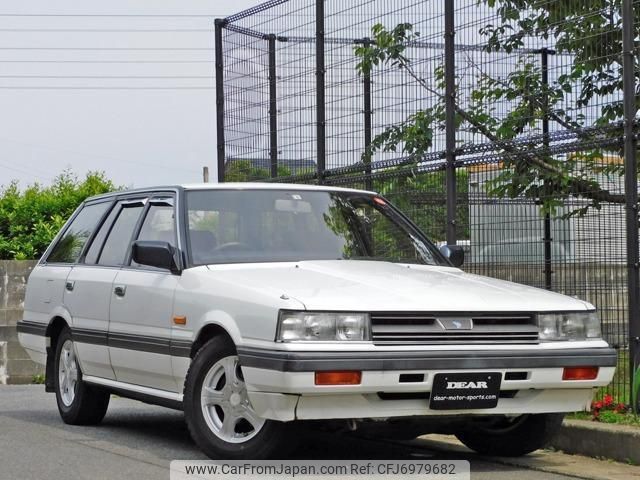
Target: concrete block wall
<point x="15" y="365"/>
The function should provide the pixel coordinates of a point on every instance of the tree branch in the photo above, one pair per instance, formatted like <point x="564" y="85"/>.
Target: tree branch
<point x="577" y="186"/>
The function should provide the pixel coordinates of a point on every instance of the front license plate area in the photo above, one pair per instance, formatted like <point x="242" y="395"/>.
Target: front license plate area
<point x="463" y="391"/>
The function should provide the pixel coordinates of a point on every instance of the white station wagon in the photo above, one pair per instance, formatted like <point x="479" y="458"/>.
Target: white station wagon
<point x="254" y="306"/>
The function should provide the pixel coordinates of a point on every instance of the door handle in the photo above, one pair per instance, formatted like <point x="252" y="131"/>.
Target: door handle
<point x="69" y="285"/>
<point x="120" y="290"/>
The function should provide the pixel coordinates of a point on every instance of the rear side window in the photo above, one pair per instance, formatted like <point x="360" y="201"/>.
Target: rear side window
<point x="96" y="245"/>
<point x="117" y="244"/>
<point x="70" y="245"/>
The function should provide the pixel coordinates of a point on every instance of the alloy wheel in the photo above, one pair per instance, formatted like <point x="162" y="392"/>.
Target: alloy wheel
<point x="225" y="403"/>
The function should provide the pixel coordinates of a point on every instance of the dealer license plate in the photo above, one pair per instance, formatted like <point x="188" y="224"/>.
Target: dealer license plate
<point x="463" y="391"/>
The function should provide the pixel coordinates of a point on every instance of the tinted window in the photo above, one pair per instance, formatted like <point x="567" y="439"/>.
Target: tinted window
<point x="117" y="244"/>
<point x="98" y="240"/>
<point x="69" y="247"/>
<point x="227" y="226"/>
<point x="159" y="224"/>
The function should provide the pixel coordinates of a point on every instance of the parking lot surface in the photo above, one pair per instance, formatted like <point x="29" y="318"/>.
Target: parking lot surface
<point x="138" y="441"/>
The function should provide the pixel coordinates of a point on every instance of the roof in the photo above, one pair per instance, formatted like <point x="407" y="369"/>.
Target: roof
<point x="231" y="186"/>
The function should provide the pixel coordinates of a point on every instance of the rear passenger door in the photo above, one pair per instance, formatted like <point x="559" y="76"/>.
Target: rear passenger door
<point x="89" y="288"/>
<point x="142" y="308"/>
<point x="47" y="281"/>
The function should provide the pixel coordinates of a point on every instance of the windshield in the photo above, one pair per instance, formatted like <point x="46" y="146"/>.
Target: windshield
<point x="232" y="226"/>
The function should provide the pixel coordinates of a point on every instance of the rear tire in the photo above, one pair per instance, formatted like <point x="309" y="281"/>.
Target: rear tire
<point x="222" y="421"/>
<point x="510" y="437"/>
<point x="78" y="402"/>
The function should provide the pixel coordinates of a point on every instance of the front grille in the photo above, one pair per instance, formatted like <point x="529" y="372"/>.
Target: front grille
<point x="391" y="328"/>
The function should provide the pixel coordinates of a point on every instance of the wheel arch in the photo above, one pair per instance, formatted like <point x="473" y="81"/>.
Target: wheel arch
<point x="56" y="325"/>
<point x="206" y="333"/>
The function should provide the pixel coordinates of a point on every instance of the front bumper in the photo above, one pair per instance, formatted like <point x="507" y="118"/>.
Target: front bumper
<point x="305" y="361"/>
<point x="281" y="384"/>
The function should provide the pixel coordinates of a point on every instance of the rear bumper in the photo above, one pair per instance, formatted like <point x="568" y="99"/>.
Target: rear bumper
<point x="282" y="386"/>
<point x="35" y="345"/>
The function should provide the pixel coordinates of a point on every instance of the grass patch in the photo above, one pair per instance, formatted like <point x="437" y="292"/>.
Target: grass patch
<point x="38" y="379"/>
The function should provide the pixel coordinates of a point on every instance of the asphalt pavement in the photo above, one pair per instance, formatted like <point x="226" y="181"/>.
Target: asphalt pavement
<point x="137" y="441"/>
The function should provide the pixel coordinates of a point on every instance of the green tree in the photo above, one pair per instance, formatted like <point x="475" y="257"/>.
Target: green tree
<point x="421" y="195"/>
<point x="245" y="171"/>
<point x="590" y="31"/>
<point x="30" y="218"/>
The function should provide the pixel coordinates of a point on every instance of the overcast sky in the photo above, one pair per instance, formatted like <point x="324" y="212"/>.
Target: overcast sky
<point x="80" y="89"/>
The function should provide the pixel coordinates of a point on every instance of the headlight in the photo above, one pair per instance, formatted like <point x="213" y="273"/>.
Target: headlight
<point x="568" y="326"/>
<point x="323" y="327"/>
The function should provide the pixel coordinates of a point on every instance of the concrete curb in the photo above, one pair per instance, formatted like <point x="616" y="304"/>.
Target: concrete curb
<point x="599" y="440"/>
<point x="544" y="461"/>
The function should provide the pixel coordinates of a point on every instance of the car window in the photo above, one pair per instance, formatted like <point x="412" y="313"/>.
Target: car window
<point x="119" y="239"/>
<point x="70" y="245"/>
<point x="158" y="225"/>
<point x="229" y="226"/>
<point x="211" y="229"/>
<point x="96" y="245"/>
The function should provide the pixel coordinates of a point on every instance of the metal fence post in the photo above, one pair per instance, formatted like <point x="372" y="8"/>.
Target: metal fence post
<point x="273" y="107"/>
<point x="320" y="93"/>
<point x="450" y="125"/>
<point x="368" y="112"/>
<point x="219" y="24"/>
<point x="631" y="195"/>
<point x="547" y="239"/>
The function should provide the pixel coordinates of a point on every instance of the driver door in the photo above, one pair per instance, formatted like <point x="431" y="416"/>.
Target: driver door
<point x="142" y="309"/>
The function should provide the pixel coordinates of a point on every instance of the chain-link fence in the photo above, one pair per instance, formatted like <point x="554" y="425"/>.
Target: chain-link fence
<point x="507" y="126"/>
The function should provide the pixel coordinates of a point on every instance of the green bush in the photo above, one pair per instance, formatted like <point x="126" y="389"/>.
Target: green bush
<point x="422" y="197"/>
<point x="30" y="218"/>
<point x="245" y="171"/>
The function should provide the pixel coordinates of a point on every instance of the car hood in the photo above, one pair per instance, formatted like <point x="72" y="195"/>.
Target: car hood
<point x="356" y="285"/>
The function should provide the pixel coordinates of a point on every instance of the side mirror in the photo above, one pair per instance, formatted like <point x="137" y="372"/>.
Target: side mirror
<point x="154" y="254"/>
<point x="453" y="253"/>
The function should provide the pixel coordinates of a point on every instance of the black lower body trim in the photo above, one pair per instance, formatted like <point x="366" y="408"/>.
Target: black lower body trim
<point x="142" y="397"/>
<point x="32" y="328"/>
<point x="141" y="343"/>
<point x="287" y="361"/>
<point x="92" y="337"/>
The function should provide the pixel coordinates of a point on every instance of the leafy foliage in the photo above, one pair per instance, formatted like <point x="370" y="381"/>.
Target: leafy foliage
<point x="589" y="31"/>
<point x="30" y="218"/>
<point x="246" y="171"/>
<point x="421" y="195"/>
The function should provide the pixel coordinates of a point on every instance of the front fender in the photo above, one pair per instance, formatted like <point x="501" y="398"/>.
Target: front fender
<point x="221" y="319"/>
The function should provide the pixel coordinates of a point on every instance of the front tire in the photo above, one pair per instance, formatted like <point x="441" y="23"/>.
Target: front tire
<point x="78" y="402"/>
<point x="218" y="411"/>
<point x="511" y="437"/>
